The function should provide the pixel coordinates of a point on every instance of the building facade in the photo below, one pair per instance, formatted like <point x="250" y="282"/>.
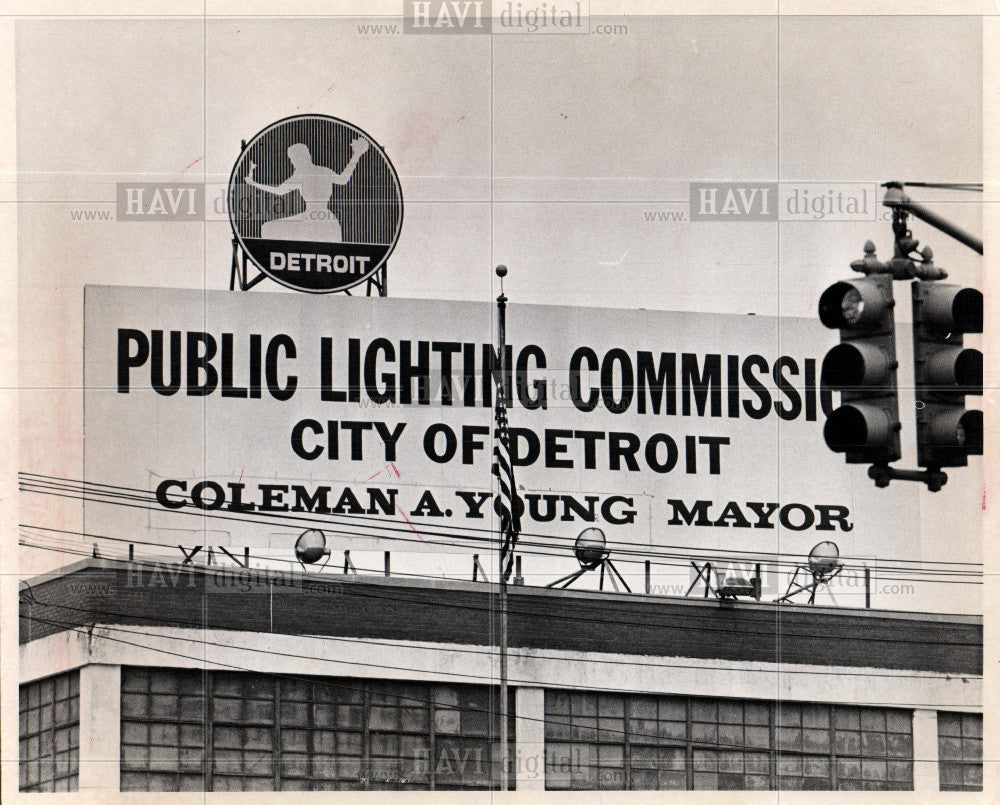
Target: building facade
<point x="140" y="676"/>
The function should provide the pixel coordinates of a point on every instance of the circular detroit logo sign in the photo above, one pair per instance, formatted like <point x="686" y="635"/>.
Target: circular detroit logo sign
<point x="315" y="203"/>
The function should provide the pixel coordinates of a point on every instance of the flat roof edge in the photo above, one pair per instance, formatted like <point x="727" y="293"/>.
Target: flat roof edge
<point x="89" y="563"/>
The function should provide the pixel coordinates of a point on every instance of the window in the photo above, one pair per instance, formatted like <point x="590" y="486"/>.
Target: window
<point x="584" y="740"/>
<point x="50" y="733"/>
<point x="844" y="748"/>
<point x="163" y="730"/>
<point x="730" y="745"/>
<point x="462" y="755"/>
<point x="321" y="739"/>
<point x="243" y="736"/>
<point x="960" y="751"/>
<point x="595" y="741"/>
<point x="222" y="731"/>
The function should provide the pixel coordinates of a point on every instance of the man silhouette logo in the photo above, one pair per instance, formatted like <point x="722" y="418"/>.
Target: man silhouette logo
<point x="315" y="204"/>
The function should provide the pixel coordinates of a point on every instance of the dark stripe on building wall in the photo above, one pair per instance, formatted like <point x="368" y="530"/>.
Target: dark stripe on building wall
<point x="100" y="591"/>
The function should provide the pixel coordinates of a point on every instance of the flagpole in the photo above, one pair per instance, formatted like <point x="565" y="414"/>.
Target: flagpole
<point x="504" y="748"/>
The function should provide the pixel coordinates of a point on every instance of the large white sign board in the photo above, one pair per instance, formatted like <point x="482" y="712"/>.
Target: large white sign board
<point x="247" y="414"/>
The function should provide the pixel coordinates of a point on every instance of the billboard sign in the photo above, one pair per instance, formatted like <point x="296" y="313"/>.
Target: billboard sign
<point x="315" y="203"/>
<point x="662" y="428"/>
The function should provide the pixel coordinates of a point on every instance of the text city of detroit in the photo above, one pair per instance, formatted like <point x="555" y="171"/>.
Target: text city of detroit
<point x="380" y="372"/>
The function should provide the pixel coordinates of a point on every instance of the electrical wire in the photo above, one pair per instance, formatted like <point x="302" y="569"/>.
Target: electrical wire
<point x="134" y="493"/>
<point x="699" y="623"/>
<point x="177" y="623"/>
<point x="526" y="548"/>
<point x="205" y="660"/>
<point x="524" y="545"/>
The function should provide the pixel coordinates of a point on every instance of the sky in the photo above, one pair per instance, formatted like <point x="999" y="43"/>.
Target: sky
<point x="555" y="155"/>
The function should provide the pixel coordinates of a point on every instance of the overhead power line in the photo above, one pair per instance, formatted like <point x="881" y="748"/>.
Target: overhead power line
<point x="141" y="499"/>
<point x="173" y="623"/>
<point x="695" y="622"/>
<point x="403" y="697"/>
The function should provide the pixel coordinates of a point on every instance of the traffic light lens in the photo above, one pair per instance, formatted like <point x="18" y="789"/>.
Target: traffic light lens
<point x="843" y="366"/>
<point x="852" y="306"/>
<point x="969" y="371"/>
<point x="846" y="429"/>
<point x="970" y="432"/>
<point x="855" y="304"/>
<point x="832" y="305"/>
<point x="852" y="365"/>
<point x="860" y="428"/>
<point x="967" y="311"/>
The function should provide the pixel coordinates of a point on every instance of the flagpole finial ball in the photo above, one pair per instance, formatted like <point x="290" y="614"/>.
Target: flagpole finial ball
<point x="501" y="271"/>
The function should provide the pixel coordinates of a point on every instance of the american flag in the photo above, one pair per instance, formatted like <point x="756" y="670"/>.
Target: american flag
<point x="506" y="504"/>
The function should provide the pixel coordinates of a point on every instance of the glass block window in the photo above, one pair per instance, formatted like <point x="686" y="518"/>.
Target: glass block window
<point x="163" y="730"/>
<point x="399" y="736"/>
<point x="49" y="733"/>
<point x="223" y="731"/>
<point x="596" y="741"/>
<point x="243" y="735"/>
<point x="960" y="751"/>
<point x="462" y="732"/>
<point x="730" y="745"/>
<point x="584" y="747"/>
<point x="843" y="748"/>
<point x="321" y="728"/>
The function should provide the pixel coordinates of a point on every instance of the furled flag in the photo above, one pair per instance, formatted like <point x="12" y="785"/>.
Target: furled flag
<point x="506" y="504"/>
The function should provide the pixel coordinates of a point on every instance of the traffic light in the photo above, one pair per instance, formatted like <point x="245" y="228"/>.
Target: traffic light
<point x="945" y="372"/>
<point x="863" y="369"/>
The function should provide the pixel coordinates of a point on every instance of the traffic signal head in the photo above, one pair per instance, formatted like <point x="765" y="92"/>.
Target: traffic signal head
<point x="863" y="369"/>
<point x="945" y="371"/>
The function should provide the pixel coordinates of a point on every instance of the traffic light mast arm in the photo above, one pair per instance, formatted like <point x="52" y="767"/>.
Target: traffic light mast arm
<point x="896" y="199"/>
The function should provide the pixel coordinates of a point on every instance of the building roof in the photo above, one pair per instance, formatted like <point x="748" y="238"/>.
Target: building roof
<point x="142" y="593"/>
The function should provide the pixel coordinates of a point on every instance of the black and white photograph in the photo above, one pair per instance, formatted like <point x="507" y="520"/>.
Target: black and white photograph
<point x="534" y="399"/>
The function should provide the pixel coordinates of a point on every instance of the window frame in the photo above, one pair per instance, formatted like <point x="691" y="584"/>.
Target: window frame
<point x="48" y="734"/>
<point x="961" y="764"/>
<point x="828" y="717"/>
<point x="288" y="691"/>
